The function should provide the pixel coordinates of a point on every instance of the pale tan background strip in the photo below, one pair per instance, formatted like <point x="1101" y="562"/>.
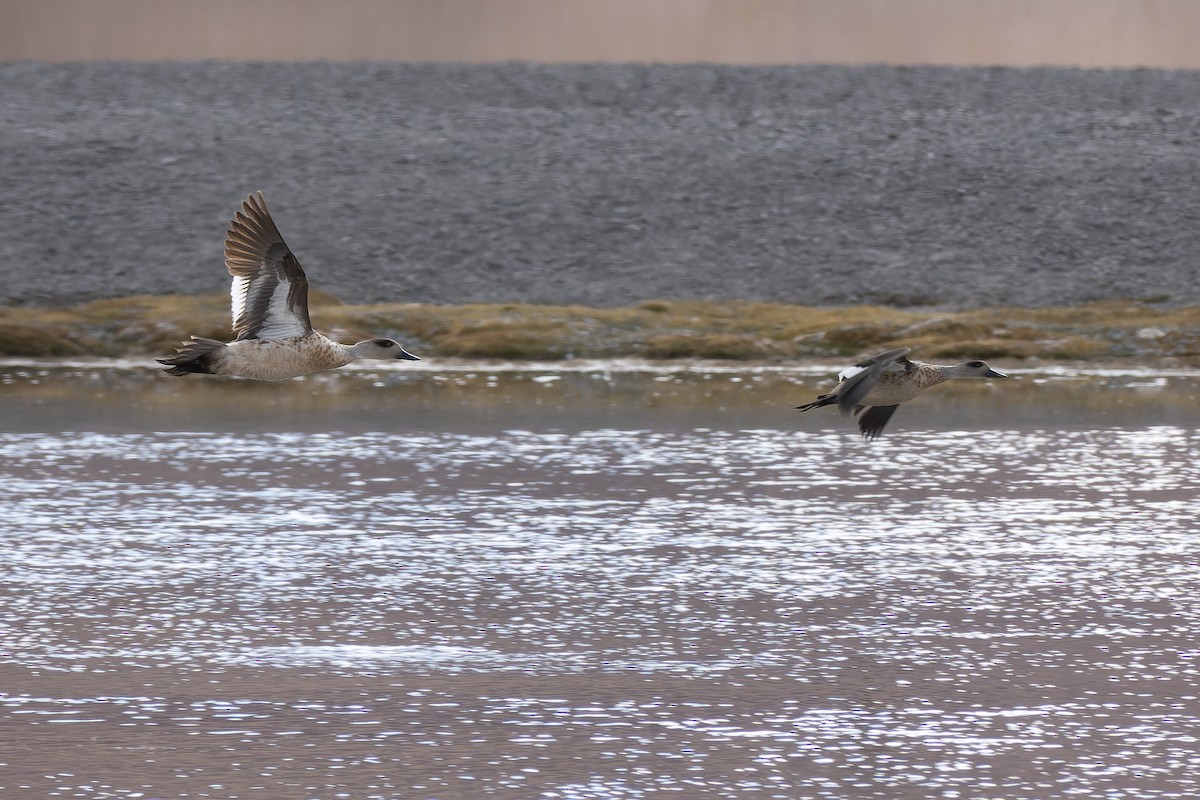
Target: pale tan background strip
<point x="1085" y="33"/>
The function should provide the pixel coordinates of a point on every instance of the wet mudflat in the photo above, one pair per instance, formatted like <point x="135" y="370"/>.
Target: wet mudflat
<point x="600" y="583"/>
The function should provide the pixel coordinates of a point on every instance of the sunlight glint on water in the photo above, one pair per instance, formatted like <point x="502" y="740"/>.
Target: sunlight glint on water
<point x="607" y="613"/>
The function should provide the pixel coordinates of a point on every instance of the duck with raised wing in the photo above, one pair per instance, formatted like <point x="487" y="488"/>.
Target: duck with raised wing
<point x="873" y="387"/>
<point x="274" y="339"/>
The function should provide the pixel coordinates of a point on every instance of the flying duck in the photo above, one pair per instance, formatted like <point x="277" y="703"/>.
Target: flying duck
<point x="873" y="387"/>
<point x="274" y="339"/>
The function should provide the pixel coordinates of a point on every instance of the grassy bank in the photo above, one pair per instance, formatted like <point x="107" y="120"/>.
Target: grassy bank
<point x="656" y="330"/>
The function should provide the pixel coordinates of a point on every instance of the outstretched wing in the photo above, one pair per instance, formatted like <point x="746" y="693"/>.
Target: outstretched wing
<point x="269" y="296"/>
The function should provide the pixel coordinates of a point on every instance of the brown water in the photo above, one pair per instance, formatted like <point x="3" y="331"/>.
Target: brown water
<point x="661" y="582"/>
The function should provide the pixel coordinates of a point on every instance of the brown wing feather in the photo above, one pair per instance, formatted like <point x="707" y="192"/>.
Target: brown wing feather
<point x="259" y="260"/>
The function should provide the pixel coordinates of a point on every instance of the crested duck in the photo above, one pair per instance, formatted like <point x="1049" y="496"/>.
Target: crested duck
<point x="274" y="339"/>
<point x="873" y="387"/>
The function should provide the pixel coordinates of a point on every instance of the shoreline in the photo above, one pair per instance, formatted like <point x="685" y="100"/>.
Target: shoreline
<point x="659" y="330"/>
<point x="134" y="395"/>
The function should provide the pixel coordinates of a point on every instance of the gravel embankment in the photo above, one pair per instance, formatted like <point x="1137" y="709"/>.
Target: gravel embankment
<point x="607" y="185"/>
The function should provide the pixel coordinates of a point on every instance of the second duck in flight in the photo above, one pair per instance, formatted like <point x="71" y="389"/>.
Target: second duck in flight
<point x="873" y="387"/>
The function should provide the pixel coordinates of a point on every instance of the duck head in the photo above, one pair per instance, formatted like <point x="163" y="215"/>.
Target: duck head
<point x="384" y="349"/>
<point x="975" y="369"/>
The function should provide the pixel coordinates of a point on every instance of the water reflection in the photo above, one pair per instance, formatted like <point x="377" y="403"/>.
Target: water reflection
<point x="451" y="610"/>
<point x="483" y="396"/>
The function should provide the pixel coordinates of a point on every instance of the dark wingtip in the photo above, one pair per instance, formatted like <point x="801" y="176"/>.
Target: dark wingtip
<point x="873" y="419"/>
<point x="193" y="356"/>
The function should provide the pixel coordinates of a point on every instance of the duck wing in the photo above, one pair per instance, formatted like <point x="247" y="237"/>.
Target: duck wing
<point x="858" y="380"/>
<point x="873" y="420"/>
<point x="269" y="296"/>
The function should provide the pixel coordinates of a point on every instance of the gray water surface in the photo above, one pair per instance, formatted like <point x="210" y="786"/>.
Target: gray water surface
<point x="452" y="611"/>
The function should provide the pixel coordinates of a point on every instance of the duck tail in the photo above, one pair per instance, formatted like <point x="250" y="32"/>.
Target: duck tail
<point x="823" y="400"/>
<point x="194" y="356"/>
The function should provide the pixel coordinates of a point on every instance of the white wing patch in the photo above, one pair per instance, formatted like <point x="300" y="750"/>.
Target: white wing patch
<point x="850" y="372"/>
<point x="237" y="298"/>
<point x="846" y="374"/>
<point x="280" y="323"/>
<point x="277" y="321"/>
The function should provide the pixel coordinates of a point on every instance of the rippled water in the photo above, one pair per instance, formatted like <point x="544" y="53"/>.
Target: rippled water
<point x="780" y="611"/>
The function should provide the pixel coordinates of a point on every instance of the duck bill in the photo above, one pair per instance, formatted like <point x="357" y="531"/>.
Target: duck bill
<point x="407" y="356"/>
<point x="992" y="373"/>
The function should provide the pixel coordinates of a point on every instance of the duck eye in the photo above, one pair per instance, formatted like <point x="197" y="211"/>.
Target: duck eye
<point x="975" y="364"/>
<point x="384" y="342"/>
